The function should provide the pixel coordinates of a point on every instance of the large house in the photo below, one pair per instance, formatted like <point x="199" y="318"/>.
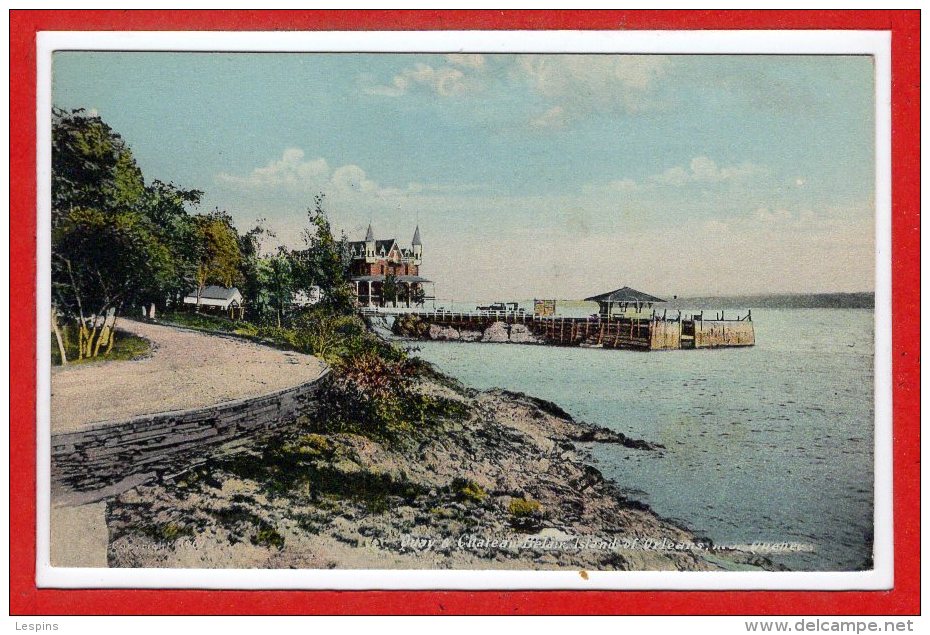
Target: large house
<point x="382" y="271"/>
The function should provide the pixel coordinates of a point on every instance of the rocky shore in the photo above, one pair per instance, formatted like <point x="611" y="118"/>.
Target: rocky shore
<point x="501" y="483"/>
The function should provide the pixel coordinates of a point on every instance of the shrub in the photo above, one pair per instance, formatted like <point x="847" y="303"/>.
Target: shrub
<point x="329" y="336"/>
<point x="167" y="532"/>
<point x="308" y="445"/>
<point x="370" y="394"/>
<point x="374" y="393"/>
<point x="268" y="536"/>
<point x="410" y="325"/>
<point x="524" y="508"/>
<point x="468" y="490"/>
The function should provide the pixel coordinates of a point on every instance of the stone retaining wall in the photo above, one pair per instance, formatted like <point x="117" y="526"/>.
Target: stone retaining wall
<point x="104" y="455"/>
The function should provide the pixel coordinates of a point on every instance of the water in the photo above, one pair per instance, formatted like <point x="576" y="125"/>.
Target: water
<point x="771" y="443"/>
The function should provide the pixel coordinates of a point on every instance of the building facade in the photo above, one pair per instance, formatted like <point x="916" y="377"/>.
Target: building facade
<point x="383" y="273"/>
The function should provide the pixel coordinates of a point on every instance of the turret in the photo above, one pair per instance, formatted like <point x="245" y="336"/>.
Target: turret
<point x="370" y="244"/>
<point x="417" y="246"/>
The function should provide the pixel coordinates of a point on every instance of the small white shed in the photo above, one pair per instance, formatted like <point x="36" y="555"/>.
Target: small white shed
<point x="223" y="298"/>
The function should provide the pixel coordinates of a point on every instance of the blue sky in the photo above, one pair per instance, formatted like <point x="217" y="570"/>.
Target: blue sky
<point x="552" y="175"/>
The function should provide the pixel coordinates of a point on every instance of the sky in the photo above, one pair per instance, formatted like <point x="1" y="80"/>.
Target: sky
<point x="555" y="176"/>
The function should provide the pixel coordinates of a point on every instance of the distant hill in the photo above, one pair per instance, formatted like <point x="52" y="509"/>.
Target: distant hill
<point x="859" y="300"/>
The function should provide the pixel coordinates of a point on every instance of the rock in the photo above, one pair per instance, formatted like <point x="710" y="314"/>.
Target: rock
<point x="497" y="332"/>
<point x="521" y="334"/>
<point x="514" y="333"/>
<point x="443" y="333"/>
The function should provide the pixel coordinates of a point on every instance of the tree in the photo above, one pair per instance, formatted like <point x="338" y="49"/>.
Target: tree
<point x="102" y="262"/>
<point x="324" y="261"/>
<point x="389" y="289"/>
<point x="418" y="295"/>
<point x="106" y="253"/>
<point x="166" y="206"/>
<point x="253" y="269"/>
<point x="280" y="281"/>
<point x="218" y="254"/>
<point x="92" y="168"/>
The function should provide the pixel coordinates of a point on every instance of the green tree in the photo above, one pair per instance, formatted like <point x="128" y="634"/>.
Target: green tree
<point x="418" y="295"/>
<point x="102" y="262"/>
<point x="390" y="289"/>
<point x="253" y="270"/>
<point x="166" y="206"/>
<point x="280" y="281"/>
<point x="324" y="261"/>
<point x="106" y="252"/>
<point x="218" y="254"/>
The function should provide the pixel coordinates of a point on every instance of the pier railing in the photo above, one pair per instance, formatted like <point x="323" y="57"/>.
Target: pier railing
<point x="523" y="317"/>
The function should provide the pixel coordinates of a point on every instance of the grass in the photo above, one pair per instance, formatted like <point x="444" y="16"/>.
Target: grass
<point x="287" y="467"/>
<point x="206" y="322"/>
<point x="125" y="347"/>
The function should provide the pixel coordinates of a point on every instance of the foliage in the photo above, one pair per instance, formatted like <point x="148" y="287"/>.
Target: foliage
<point x="278" y="279"/>
<point x="205" y="322"/>
<point x="390" y="289"/>
<point x="165" y="205"/>
<point x="324" y="261"/>
<point x="418" y="296"/>
<point x="218" y="255"/>
<point x="524" y="507"/>
<point x="309" y="445"/>
<point x="92" y="167"/>
<point x="125" y="347"/>
<point x="467" y="489"/>
<point x="410" y="325"/>
<point x="373" y="395"/>
<point x="115" y="241"/>
<point x="268" y="536"/>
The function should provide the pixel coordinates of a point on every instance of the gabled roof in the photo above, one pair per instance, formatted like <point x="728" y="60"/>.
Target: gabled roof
<point x="625" y="294"/>
<point x="386" y="245"/>
<point x="216" y="292"/>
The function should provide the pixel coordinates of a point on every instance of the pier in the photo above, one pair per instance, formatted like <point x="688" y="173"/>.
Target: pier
<point x="641" y="332"/>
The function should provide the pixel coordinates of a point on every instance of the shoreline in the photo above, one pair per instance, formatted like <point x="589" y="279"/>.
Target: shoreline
<point x="502" y="484"/>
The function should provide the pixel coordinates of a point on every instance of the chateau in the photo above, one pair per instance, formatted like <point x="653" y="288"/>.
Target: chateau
<point x="382" y="271"/>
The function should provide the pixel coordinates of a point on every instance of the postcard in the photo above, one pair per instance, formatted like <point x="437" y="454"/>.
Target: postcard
<point x="465" y="310"/>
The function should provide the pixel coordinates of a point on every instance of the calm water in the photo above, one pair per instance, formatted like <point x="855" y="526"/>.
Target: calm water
<point x="772" y="443"/>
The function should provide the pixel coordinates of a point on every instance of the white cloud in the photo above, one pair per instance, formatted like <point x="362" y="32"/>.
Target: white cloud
<point x="293" y="172"/>
<point x="746" y="241"/>
<point x="582" y="83"/>
<point x="445" y="81"/>
<point x="290" y="170"/>
<point x="705" y="170"/>
<point x="700" y="170"/>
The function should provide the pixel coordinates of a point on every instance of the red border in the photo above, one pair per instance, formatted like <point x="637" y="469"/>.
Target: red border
<point x="26" y="599"/>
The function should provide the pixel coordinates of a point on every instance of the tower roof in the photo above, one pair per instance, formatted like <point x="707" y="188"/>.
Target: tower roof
<point x="416" y="237"/>
<point x="371" y="234"/>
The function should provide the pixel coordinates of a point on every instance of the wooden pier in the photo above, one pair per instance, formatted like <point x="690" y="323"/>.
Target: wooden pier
<point x="647" y="333"/>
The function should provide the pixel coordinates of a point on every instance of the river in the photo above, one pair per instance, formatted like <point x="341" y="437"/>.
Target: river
<point x="772" y="443"/>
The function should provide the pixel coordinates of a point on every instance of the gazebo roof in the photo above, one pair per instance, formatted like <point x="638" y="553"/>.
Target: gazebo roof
<point x="625" y="294"/>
